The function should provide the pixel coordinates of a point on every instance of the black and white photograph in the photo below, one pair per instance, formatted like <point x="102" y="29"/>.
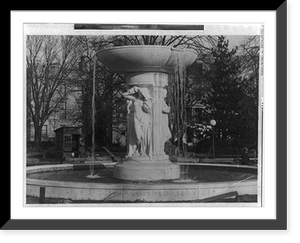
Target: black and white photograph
<point x="143" y="114"/>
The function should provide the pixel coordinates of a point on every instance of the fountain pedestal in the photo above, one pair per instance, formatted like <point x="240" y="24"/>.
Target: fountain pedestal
<point x="147" y="67"/>
<point x="159" y="166"/>
<point x="138" y="170"/>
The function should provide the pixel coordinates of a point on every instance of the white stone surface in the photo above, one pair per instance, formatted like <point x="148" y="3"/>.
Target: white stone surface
<point x="146" y="170"/>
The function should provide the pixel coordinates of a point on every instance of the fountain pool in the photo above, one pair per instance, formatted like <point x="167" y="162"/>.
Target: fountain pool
<point x="197" y="181"/>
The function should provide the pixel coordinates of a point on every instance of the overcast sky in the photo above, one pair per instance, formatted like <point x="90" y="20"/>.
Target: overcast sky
<point x="235" y="40"/>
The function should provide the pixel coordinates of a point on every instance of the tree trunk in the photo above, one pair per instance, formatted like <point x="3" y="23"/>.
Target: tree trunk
<point x="37" y="135"/>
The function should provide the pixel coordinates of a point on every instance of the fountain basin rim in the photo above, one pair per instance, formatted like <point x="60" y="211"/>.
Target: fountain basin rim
<point x="44" y="168"/>
<point x="122" y="186"/>
<point x="145" y="47"/>
<point x="144" y="58"/>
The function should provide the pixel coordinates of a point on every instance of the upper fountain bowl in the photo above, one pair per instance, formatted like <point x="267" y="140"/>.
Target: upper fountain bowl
<point x="144" y="58"/>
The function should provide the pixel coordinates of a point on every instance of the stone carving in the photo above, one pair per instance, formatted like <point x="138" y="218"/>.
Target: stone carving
<point x="139" y="122"/>
<point x="166" y="133"/>
<point x="146" y="66"/>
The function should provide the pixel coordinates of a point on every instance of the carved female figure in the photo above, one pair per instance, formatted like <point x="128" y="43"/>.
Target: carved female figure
<point x="165" y="119"/>
<point x="139" y="122"/>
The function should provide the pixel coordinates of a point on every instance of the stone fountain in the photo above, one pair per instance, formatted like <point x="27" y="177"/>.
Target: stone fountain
<point x="146" y="69"/>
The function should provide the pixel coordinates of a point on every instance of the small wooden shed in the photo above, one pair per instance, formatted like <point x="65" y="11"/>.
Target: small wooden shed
<point x="68" y="140"/>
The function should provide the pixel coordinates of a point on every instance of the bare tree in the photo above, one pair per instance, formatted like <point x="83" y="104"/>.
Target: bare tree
<point x="108" y="100"/>
<point x="50" y="63"/>
<point x="250" y="63"/>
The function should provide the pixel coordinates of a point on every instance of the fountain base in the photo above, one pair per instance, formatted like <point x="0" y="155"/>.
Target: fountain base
<point x="146" y="170"/>
<point x="93" y="176"/>
<point x="129" y="191"/>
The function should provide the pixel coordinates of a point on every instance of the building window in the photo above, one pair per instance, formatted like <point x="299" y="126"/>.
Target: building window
<point x="67" y="142"/>
<point x="63" y="110"/>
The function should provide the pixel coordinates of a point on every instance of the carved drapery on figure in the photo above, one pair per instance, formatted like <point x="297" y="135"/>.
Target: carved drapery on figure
<point x="139" y="122"/>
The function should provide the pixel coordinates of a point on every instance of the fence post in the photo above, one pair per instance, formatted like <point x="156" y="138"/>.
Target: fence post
<point x="42" y="195"/>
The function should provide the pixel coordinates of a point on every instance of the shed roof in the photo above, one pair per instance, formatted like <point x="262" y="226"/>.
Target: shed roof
<point x="67" y="129"/>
